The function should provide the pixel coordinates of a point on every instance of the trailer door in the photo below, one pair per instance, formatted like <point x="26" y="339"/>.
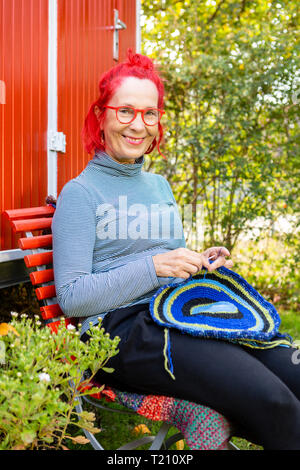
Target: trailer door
<point x="92" y="36"/>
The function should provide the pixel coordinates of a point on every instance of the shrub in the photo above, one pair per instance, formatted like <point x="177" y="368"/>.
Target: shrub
<point x="270" y="266"/>
<point x="37" y="402"/>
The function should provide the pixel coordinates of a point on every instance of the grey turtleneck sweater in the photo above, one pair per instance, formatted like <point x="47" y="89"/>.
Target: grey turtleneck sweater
<point x="108" y="224"/>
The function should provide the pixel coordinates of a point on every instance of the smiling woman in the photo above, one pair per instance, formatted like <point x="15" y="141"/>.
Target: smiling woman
<point x="112" y="254"/>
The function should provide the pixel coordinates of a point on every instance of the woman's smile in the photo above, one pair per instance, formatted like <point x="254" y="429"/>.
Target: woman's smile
<point x="133" y="140"/>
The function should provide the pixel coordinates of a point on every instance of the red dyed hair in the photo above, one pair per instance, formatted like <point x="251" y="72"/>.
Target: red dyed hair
<point x="136" y="65"/>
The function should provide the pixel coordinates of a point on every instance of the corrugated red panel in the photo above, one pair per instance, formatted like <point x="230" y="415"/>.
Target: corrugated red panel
<point x="127" y="13"/>
<point x="85" y="51"/>
<point x="23" y="117"/>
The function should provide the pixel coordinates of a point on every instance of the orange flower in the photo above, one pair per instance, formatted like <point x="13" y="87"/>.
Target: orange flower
<point x="179" y="445"/>
<point x="141" y="429"/>
<point x="5" y="328"/>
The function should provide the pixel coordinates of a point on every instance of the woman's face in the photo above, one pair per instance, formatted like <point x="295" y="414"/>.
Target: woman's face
<point x="127" y="142"/>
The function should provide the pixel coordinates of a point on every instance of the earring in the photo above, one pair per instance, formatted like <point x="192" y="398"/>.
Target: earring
<point x="102" y="139"/>
<point x="152" y="146"/>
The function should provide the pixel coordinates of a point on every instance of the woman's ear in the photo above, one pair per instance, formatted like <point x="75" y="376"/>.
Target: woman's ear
<point x="97" y="112"/>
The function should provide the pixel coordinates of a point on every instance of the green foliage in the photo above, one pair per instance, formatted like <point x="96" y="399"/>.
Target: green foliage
<point x="37" y="401"/>
<point x="269" y="265"/>
<point x="232" y="79"/>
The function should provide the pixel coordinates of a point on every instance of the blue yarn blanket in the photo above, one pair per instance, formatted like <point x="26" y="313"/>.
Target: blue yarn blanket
<point x="221" y="305"/>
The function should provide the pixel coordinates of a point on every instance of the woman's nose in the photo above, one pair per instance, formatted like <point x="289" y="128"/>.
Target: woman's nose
<point x="138" y="122"/>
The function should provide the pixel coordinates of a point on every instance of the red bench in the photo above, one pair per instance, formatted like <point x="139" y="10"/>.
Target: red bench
<point x="27" y="221"/>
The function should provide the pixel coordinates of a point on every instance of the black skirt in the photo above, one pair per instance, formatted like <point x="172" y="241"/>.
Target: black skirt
<point x="258" y="390"/>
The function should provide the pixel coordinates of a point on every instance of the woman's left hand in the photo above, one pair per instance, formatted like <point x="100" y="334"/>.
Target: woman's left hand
<point x="218" y="254"/>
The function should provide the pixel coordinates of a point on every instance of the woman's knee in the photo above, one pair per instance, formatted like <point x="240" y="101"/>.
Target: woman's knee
<point x="278" y="419"/>
<point x="283" y="405"/>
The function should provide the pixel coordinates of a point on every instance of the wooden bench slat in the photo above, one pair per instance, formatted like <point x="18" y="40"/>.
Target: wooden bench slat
<point x="51" y="311"/>
<point x="28" y="213"/>
<point x="45" y="292"/>
<point x="54" y="325"/>
<point x="38" y="259"/>
<point x="27" y="225"/>
<point x="32" y="243"/>
<point x="41" y="277"/>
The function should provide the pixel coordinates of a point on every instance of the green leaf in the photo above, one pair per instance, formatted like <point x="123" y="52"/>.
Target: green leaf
<point x="28" y="436"/>
<point x="109" y="370"/>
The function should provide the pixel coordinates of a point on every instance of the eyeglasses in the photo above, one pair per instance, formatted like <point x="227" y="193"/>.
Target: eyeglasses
<point x="127" y="114"/>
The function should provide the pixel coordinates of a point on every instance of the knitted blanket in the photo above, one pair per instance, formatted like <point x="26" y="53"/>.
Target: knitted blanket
<point x="220" y="305"/>
<point x="202" y="427"/>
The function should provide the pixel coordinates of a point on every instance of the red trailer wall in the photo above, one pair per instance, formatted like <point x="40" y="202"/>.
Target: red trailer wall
<point x="84" y="51"/>
<point x="23" y="116"/>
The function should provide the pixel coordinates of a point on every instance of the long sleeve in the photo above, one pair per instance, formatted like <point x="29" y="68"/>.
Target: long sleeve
<point x="80" y="291"/>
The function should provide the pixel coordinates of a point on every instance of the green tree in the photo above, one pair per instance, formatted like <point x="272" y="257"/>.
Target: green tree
<point x="232" y="80"/>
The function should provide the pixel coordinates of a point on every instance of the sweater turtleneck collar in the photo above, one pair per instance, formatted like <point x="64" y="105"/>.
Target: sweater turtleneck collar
<point x="106" y="164"/>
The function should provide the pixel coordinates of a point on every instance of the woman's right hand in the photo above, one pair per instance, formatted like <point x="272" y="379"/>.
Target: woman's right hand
<point x="182" y="262"/>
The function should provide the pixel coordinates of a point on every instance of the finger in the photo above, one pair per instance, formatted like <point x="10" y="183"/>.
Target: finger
<point x="193" y="258"/>
<point x="223" y="251"/>
<point x="217" y="251"/>
<point x="205" y="262"/>
<point x="228" y="264"/>
<point x="182" y="274"/>
<point x="220" y="261"/>
<point x="189" y="268"/>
